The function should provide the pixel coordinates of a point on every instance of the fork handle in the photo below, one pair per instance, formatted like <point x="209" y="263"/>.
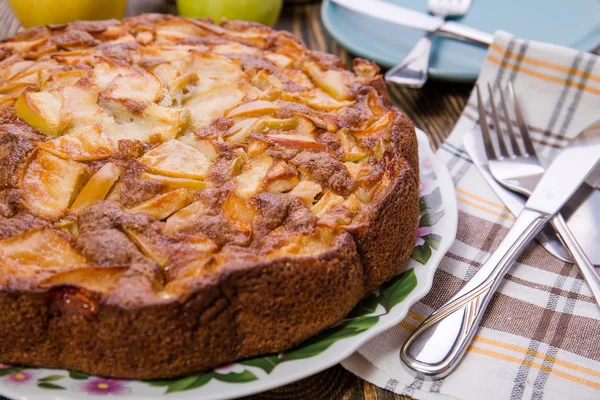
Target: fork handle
<point x="583" y="262"/>
<point x="436" y="347"/>
<point x="412" y="71"/>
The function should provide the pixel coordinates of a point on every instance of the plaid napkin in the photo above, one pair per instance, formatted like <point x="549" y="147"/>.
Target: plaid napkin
<point x="540" y="338"/>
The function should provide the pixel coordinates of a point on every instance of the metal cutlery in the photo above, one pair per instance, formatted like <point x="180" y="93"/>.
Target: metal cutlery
<point x="436" y="347"/>
<point x="413" y="70"/>
<point x="516" y="166"/>
<point x="580" y="212"/>
<point x="413" y="19"/>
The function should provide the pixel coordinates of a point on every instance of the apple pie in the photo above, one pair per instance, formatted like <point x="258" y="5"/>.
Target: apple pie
<point x="176" y="194"/>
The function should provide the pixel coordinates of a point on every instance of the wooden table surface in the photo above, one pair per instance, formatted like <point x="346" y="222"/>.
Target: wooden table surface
<point x="435" y="109"/>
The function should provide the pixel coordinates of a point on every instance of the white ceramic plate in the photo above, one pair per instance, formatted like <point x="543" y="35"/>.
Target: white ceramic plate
<point x="373" y="315"/>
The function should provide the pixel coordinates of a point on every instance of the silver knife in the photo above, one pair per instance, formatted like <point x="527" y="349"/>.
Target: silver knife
<point x="413" y="19"/>
<point x="436" y="347"/>
<point x="580" y="211"/>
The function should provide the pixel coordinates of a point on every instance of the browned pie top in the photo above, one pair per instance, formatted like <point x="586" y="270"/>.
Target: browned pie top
<point x="148" y="152"/>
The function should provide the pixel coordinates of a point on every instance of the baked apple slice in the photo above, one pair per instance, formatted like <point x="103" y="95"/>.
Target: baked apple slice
<point x="162" y="206"/>
<point x="307" y="191"/>
<point x="43" y="111"/>
<point x="142" y="87"/>
<point x="98" y="186"/>
<point x="294" y="141"/>
<point x="44" y="248"/>
<point x="150" y="245"/>
<point x="251" y="180"/>
<point x="202" y="145"/>
<point x="85" y="143"/>
<point x="96" y="279"/>
<point x="240" y="130"/>
<point x="238" y="212"/>
<point x="50" y="184"/>
<point x="182" y="218"/>
<point x="175" y="183"/>
<point x="281" y="178"/>
<point x="334" y="82"/>
<point x="255" y="108"/>
<point x="206" y="106"/>
<point x="326" y="203"/>
<point x="178" y="160"/>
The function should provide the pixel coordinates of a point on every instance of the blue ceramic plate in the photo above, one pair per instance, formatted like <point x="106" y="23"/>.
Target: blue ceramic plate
<point x="575" y="24"/>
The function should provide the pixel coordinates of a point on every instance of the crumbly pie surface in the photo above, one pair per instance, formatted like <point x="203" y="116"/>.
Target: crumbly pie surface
<point x="176" y="194"/>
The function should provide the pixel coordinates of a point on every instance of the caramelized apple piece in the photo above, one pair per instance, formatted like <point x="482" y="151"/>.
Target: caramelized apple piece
<point x="183" y="217"/>
<point x="326" y="203"/>
<point x="307" y="191"/>
<point x="240" y="130"/>
<point x="96" y="279"/>
<point x="14" y="89"/>
<point x="42" y="111"/>
<point x="202" y="145"/>
<point x="82" y="107"/>
<point x="307" y="244"/>
<point x="44" y="248"/>
<point x="295" y="142"/>
<point x="250" y="181"/>
<point x="256" y="147"/>
<point x="164" y="205"/>
<point x="176" y="183"/>
<point x="51" y="79"/>
<point x="255" y="108"/>
<point x="352" y="203"/>
<point x="138" y="87"/>
<point x="281" y="178"/>
<point x="351" y="150"/>
<point x="317" y="99"/>
<point x="98" y="186"/>
<point x="86" y="143"/>
<point x="353" y="169"/>
<point x="155" y="122"/>
<point x="206" y="106"/>
<point x="177" y="160"/>
<point x="333" y="82"/>
<point x="50" y="184"/>
<point x="280" y="60"/>
<point x="213" y="71"/>
<point x="68" y="226"/>
<point x="239" y="213"/>
<point x="376" y="127"/>
<point x="150" y="246"/>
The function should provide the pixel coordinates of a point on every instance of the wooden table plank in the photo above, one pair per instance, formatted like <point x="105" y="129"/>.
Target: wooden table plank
<point x="435" y="109"/>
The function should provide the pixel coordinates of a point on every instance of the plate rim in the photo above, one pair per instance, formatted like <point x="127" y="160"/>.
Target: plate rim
<point x="425" y="282"/>
<point x="435" y="73"/>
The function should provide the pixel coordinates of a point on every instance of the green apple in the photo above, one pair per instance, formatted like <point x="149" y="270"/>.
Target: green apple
<point x="263" y="11"/>
<point x="42" y="12"/>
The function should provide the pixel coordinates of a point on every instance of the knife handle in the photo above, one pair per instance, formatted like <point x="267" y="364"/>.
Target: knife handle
<point x="436" y="347"/>
<point x="464" y="32"/>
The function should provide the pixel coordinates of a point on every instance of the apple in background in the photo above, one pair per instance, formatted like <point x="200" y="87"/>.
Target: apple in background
<point x="263" y="11"/>
<point x="43" y="12"/>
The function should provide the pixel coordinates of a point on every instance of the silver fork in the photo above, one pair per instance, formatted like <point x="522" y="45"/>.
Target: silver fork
<point x="516" y="167"/>
<point x="412" y="71"/>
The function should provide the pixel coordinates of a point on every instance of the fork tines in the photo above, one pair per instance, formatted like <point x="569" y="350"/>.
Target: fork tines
<point x="512" y="148"/>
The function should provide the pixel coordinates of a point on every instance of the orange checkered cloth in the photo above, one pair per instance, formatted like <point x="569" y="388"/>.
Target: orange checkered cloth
<point x="540" y="337"/>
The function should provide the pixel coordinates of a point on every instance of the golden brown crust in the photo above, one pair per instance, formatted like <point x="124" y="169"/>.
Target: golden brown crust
<point x="299" y="197"/>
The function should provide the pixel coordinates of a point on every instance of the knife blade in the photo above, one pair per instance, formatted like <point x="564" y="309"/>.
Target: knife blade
<point x="413" y="19"/>
<point x="567" y="172"/>
<point x="436" y="347"/>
